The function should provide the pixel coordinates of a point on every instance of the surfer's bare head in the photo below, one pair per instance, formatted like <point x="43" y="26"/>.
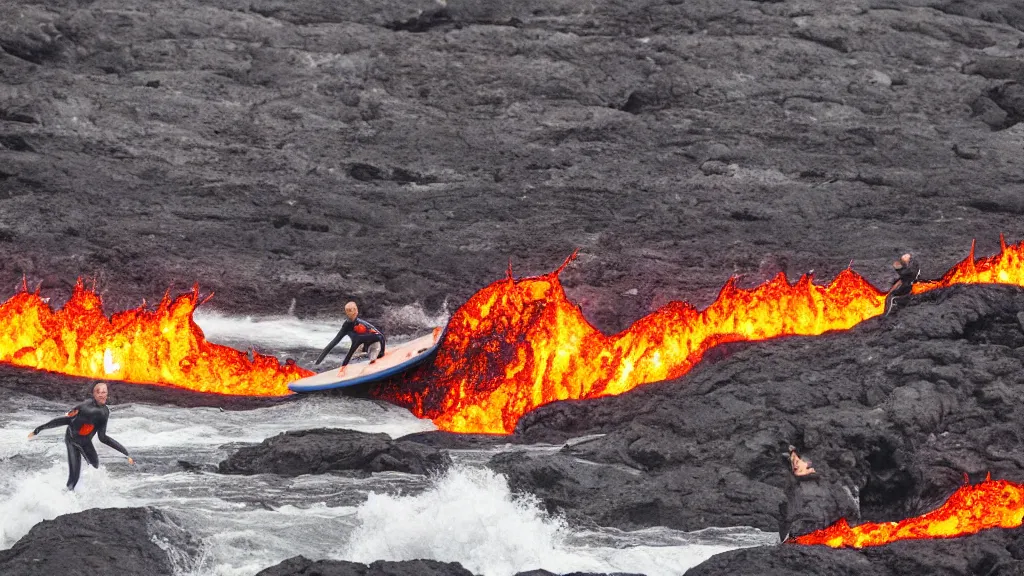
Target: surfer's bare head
<point x="351" y="310"/>
<point x="99" y="392"/>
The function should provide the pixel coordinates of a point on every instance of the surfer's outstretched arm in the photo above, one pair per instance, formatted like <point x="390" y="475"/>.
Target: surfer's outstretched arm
<point x="334" y="342"/>
<point x="101" y="434"/>
<point x="61" y="421"/>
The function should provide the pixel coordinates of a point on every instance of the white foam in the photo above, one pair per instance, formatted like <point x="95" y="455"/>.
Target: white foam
<point x="470" y="516"/>
<point x="276" y="332"/>
<point x="413" y="316"/>
<point x="287" y="332"/>
<point x="36" y="496"/>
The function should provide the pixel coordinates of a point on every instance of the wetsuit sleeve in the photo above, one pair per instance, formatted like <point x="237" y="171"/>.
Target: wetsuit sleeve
<point x="910" y="272"/>
<point x="101" y="434"/>
<point x="62" y="421"/>
<point x="345" y="329"/>
<point x="348" y="356"/>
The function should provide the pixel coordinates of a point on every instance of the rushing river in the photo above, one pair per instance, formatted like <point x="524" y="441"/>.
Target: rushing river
<point x="248" y="523"/>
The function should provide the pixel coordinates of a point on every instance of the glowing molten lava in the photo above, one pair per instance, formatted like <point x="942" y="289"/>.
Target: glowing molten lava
<point x="162" y="346"/>
<point x="971" y="509"/>
<point x="518" y="344"/>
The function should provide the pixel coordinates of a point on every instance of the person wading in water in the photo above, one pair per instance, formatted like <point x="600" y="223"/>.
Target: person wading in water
<point x="84" y="421"/>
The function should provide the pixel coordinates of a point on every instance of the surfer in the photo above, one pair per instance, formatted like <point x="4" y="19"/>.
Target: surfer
<point x="907" y="272"/>
<point x="361" y="332"/>
<point x="84" y="421"/>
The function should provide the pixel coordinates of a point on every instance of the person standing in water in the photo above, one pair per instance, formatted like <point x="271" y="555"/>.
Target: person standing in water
<point x="361" y="332"/>
<point x="84" y="421"/>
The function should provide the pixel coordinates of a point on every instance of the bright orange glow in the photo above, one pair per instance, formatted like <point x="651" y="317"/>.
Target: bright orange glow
<point x="519" y="344"/>
<point x="971" y="509"/>
<point x="162" y="346"/>
<point x="1007" y="267"/>
<point x="515" y="345"/>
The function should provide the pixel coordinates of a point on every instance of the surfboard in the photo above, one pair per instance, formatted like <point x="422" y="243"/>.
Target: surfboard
<point x="396" y="360"/>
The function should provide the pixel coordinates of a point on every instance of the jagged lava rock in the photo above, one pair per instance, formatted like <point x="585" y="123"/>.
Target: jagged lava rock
<point x="324" y="450"/>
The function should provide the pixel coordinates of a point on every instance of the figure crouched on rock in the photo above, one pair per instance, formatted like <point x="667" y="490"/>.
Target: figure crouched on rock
<point x="907" y="272"/>
<point x="815" y="498"/>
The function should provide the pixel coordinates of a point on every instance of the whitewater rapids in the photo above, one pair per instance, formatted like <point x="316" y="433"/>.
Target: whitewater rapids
<point x="248" y="523"/>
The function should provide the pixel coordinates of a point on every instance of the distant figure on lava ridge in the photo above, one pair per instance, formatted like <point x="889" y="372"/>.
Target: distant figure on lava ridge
<point x="907" y="272"/>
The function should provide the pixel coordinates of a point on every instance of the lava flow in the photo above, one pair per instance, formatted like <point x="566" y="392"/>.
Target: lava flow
<point x="519" y="344"/>
<point x="162" y="346"/>
<point x="971" y="509"/>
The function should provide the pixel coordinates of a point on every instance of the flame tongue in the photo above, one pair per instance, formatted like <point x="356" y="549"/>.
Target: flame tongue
<point x="163" y="346"/>
<point x="971" y="509"/>
<point x="518" y="344"/>
<point x="513" y="346"/>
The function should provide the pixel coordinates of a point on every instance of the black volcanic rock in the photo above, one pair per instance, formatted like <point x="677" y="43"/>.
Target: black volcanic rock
<point x="816" y="501"/>
<point x="104" y="541"/>
<point x="403" y="152"/>
<point x="301" y="566"/>
<point x="896" y="411"/>
<point x="332" y="450"/>
<point x="994" y="552"/>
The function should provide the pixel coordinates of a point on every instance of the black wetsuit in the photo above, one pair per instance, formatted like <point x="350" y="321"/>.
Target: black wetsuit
<point x="362" y="333"/>
<point x="84" y="421"/>
<point x="904" y="284"/>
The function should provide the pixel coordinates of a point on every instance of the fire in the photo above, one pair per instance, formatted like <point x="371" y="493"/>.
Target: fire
<point x="162" y="346"/>
<point x="519" y="344"/>
<point x="971" y="509"/>
<point x="1007" y="267"/>
<point x="514" y="346"/>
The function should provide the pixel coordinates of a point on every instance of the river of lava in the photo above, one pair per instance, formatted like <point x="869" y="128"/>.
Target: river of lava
<point x="160" y="346"/>
<point x="971" y="509"/>
<point x="518" y="344"/>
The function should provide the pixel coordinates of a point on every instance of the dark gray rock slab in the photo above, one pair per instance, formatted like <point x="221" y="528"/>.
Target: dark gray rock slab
<point x="323" y="450"/>
<point x="104" y="541"/>
<point x="301" y="566"/>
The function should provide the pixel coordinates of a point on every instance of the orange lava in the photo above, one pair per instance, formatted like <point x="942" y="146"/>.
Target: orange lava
<point x="162" y="346"/>
<point x="971" y="509"/>
<point x="1007" y="267"/>
<point x="519" y="344"/>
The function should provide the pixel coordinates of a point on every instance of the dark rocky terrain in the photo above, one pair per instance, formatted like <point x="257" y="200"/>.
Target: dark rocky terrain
<point x="896" y="412"/>
<point x="331" y="450"/>
<point x="400" y="152"/>
<point x="300" y="566"/>
<point x="994" y="553"/>
<point x="132" y="541"/>
<point x="303" y="153"/>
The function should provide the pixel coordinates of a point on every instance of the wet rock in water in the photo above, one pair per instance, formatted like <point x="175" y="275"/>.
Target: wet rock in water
<point x="457" y="441"/>
<point x="995" y="552"/>
<point x="302" y="566"/>
<point x="894" y="413"/>
<point x="546" y="573"/>
<point x="333" y="450"/>
<point x="104" y="541"/>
